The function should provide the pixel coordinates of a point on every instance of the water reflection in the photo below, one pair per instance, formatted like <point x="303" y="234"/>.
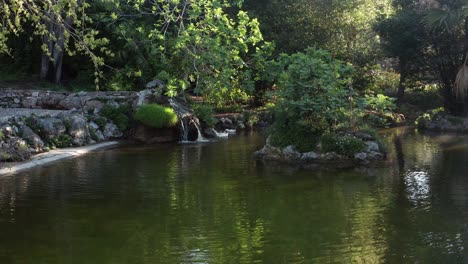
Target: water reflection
<point x="212" y="203"/>
<point x="418" y="187"/>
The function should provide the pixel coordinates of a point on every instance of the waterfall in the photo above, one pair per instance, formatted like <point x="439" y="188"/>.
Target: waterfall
<point x="200" y="137"/>
<point x="141" y="97"/>
<point x="186" y="118"/>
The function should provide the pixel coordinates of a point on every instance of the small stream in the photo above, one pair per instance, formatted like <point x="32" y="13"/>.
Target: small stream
<point x="212" y="203"/>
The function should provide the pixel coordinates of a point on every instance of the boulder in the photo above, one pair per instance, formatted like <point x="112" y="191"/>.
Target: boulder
<point x="14" y="149"/>
<point x="112" y="131"/>
<point x="269" y="152"/>
<point x="8" y="130"/>
<point x="291" y="153"/>
<point x="226" y="123"/>
<point x="372" y="146"/>
<point x="77" y="128"/>
<point x="364" y="136"/>
<point x="212" y="133"/>
<point x="240" y="125"/>
<point x="32" y="138"/>
<point x="51" y="127"/>
<point x="310" y="156"/>
<point x="360" y="156"/>
<point x="30" y="102"/>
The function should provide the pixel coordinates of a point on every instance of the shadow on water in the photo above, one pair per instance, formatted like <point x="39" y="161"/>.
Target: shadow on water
<point x="212" y="203"/>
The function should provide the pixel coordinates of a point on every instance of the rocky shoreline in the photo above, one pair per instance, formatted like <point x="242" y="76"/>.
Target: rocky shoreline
<point x="51" y="157"/>
<point x="51" y="120"/>
<point x="370" y="155"/>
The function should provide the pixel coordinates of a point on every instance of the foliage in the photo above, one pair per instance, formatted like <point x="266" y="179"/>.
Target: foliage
<point x="375" y="79"/>
<point x="1" y="135"/>
<point x="156" y="116"/>
<point x="341" y="144"/>
<point x="425" y="97"/>
<point x="314" y="87"/>
<point x="311" y="97"/>
<point x="61" y="141"/>
<point x="61" y="26"/>
<point x="286" y="130"/>
<point x="117" y="114"/>
<point x="428" y="116"/>
<point x="205" y="114"/>
<point x="343" y="27"/>
<point x="251" y="118"/>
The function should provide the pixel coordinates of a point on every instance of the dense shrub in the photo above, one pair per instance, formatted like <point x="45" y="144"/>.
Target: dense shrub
<point x="61" y="141"/>
<point x="428" y="116"/>
<point x="380" y="110"/>
<point x="311" y="97"/>
<point x="251" y="118"/>
<point x="205" y="114"/>
<point x="117" y="114"/>
<point x="341" y="144"/>
<point x="156" y="116"/>
<point x="287" y="131"/>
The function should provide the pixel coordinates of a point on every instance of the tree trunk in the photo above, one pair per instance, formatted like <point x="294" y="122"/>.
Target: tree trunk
<point x="401" y="86"/>
<point x="58" y="54"/>
<point x="45" y="59"/>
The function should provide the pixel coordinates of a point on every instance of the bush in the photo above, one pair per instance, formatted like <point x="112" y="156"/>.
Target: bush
<point x="250" y="118"/>
<point x="1" y="135"/>
<point x="287" y="131"/>
<point x="61" y="141"/>
<point x="430" y="115"/>
<point x="341" y="144"/>
<point x="117" y="114"/>
<point x="205" y="114"/>
<point x="156" y="116"/>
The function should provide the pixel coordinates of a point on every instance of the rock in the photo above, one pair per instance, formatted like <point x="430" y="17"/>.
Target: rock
<point x="372" y="146"/>
<point x="364" y="136"/>
<point x="8" y="130"/>
<point x="71" y="102"/>
<point x="15" y="149"/>
<point x="268" y="151"/>
<point x="112" y="131"/>
<point x="291" y="153"/>
<point x="226" y="123"/>
<point x="240" y="125"/>
<point x="32" y="138"/>
<point x="331" y="156"/>
<point x="230" y="131"/>
<point x="51" y="127"/>
<point x="262" y="124"/>
<point x="52" y="100"/>
<point x="16" y="101"/>
<point x="310" y="156"/>
<point x="77" y="128"/>
<point x="93" y="125"/>
<point x="94" y="105"/>
<point x="212" y="133"/>
<point x="360" y="156"/>
<point x="35" y="94"/>
<point x="99" y="136"/>
<point x="375" y="155"/>
<point x="30" y="102"/>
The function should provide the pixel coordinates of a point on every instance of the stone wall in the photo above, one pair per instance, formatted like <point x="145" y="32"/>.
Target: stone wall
<point x="62" y="100"/>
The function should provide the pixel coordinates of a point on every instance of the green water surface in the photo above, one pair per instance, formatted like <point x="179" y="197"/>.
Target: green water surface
<point x="213" y="203"/>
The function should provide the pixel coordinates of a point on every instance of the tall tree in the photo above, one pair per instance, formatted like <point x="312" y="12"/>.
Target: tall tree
<point x="56" y="22"/>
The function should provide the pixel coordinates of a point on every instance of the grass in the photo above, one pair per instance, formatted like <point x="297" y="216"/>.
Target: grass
<point x="156" y="116"/>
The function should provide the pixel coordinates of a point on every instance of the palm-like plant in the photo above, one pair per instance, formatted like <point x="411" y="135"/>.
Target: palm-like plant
<point x="451" y="20"/>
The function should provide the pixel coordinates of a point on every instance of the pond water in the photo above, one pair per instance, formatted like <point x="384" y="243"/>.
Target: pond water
<point x="212" y="203"/>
